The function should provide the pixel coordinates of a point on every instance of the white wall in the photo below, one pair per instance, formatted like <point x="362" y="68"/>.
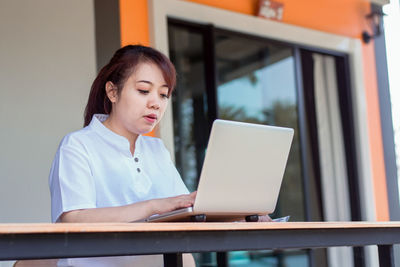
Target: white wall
<point x="47" y="64"/>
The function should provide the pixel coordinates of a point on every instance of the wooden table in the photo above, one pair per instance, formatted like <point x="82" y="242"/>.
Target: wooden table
<point x="35" y="241"/>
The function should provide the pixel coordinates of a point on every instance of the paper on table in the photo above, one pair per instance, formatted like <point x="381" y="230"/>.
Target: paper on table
<point x="281" y="219"/>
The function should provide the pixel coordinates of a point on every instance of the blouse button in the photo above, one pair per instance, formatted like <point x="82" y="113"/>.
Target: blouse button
<point x="138" y="169"/>
<point x="136" y="160"/>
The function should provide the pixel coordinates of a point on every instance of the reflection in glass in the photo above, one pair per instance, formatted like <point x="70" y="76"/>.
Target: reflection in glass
<point x="189" y="111"/>
<point x="256" y="83"/>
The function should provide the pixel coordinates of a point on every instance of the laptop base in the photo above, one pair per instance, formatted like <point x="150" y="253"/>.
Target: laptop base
<point x="198" y="218"/>
<point x="252" y="218"/>
<point x="191" y="216"/>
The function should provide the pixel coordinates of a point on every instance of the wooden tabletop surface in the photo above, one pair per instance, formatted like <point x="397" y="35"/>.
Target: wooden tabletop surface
<point x="35" y="228"/>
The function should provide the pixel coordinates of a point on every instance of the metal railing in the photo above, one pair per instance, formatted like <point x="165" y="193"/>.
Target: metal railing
<point x="39" y="241"/>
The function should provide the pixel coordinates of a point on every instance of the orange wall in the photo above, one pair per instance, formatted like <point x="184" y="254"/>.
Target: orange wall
<point x="343" y="17"/>
<point x="134" y="22"/>
<point x="375" y="134"/>
<point x="314" y="14"/>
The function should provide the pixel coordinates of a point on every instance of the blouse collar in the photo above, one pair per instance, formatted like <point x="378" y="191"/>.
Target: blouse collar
<point x="114" y="139"/>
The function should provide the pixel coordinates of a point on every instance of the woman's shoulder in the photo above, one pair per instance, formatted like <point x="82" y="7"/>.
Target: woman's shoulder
<point x="77" y="138"/>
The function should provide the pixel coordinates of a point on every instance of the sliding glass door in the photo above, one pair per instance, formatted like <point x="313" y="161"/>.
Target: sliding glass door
<point x="234" y="76"/>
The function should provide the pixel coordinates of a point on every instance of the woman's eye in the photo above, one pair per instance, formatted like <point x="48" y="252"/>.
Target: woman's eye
<point x="144" y="92"/>
<point x="164" y="96"/>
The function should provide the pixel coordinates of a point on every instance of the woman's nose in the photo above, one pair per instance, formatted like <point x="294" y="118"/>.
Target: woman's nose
<point x="154" y="101"/>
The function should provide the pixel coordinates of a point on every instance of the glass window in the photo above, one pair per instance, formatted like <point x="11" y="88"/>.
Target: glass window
<point x="233" y="76"/>
<point x="189" y="103"/>
<point x="256" y="83"/>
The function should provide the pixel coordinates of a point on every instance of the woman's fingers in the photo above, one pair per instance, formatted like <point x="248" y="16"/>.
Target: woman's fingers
<point x="187" y="200"/>
<point x="178" y="202"/>
<point x="264" y="218"/>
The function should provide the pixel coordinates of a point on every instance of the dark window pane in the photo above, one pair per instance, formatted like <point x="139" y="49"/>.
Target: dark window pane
<point x="189" y="103"/>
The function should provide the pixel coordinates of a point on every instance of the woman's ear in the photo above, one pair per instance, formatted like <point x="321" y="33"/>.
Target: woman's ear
<point x="111" y="91"/>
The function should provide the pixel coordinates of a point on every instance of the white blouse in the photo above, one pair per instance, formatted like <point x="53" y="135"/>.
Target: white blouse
<point x="95" y="168"/>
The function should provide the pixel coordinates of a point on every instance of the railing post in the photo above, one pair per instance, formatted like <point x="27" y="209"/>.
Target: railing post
<point x="386" y="256"/>
<point x="173" y="260"/>
<point x="222" y="259"/>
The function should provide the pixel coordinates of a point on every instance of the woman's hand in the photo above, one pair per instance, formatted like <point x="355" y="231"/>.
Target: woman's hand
<point x="264" y="218"/>
<point x="162" y="205"/>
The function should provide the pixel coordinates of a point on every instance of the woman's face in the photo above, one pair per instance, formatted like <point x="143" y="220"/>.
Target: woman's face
<point x="142" y="101"/>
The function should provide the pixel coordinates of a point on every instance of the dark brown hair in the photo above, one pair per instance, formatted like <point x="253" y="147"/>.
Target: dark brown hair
<point x="118" y="70"/>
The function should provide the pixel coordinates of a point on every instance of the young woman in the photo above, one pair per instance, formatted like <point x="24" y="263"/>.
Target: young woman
<point x="108" y="171"/>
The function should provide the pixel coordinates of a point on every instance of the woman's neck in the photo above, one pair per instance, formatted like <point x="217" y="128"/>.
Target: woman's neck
<point x="114" y="126"/>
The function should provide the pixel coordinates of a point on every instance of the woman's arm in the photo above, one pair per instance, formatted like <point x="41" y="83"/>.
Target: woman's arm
<point x="129" y="213"/>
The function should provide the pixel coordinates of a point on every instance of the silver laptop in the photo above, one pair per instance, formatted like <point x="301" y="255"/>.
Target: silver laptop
<point x="241" y="175"/>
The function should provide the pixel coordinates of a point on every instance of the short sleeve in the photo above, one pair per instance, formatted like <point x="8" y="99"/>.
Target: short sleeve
<point x="71" y="181"/>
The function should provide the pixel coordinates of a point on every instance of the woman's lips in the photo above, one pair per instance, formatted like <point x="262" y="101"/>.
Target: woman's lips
<point x="151" y="118"/>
